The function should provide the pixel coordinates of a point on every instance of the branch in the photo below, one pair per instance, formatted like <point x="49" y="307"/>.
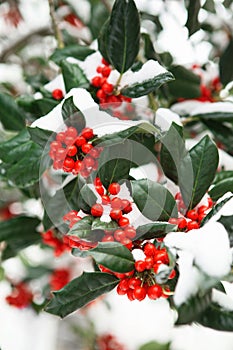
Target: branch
<point x="19" y="44"/>
<point x="56" y="29"/>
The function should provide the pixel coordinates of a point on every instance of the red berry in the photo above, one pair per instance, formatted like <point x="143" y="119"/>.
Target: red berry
<point x="130" y="294"/>
<point x="173" y="221"/>
<point x="106" y="71"/>
<point x="77" y="167"/>
<point x="72" y="151"/>
<point x="99" y="190"/>
<point x="154" y="292"/>
<point x="87" y="133"/>
<point x="116" y="203"/>
<point x="202" y="209"/>
<point x="115" y="214"/>
<point x="68" y="164"/>
<point x="99" y="69"/>
<point x="149" y="249"/>
<point x="120" y="291"/>
<point x="71" y="132"/>
<point x="108" y="238"/>
<point x="134" y="282"/>
<point x="127" y="206"/>
<point x="105" y="199"/>
<point x="149" y="261"/>
<point x="60" y="154"/>
<point x="96" y="81"/>
<point x="106" y="63"/>
<point x="97" y="210"/>
<point x="80" y="140"/>
<point x="114" y="188"/>
<point x="86" y="147"/>
<point x="191" y="225"/>
<point x="89" y="162"/>
<point x="97" y="182"/>
<point x="182" y="223"/>
<point x="55" y="145"/>
<point x="69" y="140"/>
<point x="107" y="88"/>
<point x="57" y="94"/>
<point x="124" y="284"/>
<point x="162" y="256"/>
<point x="123" y="222"/>
<point x="101" y="94"/>
<point x="192" y="214"/>
<point x="139" y="293"/>
<point x="119" y="235"/>
<point x="127" y="243"/>
<point x="210" y="202"/>
<point x="140" y="265"/>
<point x="201" y="217"/>
<point x="172" y="274"/>
<point x="130" y="232"/>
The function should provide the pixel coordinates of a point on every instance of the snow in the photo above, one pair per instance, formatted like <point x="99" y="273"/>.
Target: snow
<point x="222" y="299"/>
<point x="165" y="117"/>
<point x="212" y="107"/>
<point x="198" y="250"/>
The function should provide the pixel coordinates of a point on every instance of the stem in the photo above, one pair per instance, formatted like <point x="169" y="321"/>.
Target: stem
<point x="189" y="120"/>
<point x="153" y="105"/>
<point x="56" y="29"/>
<point x="117" y="84"/>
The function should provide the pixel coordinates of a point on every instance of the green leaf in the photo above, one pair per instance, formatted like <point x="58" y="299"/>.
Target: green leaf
<point x="153" y="200"/>
<point x="123" y="35"/>
<point x="19" y="228"/>
<point x="11" y="116"/>
<point x="222" y="175"/>
<point x="111" y="255"/>
<point x="145" y="87"/>
<point x="154" y="230"/>
<point x="73" y="76"/>
<point x="72" y="115"/>
<point x="76" y="51"/>
<point x="153" y="345"/>
<point x="223" y="133"/>
<point x="102" y="40"/>
<point x="215" y="210"/>
<point x="75" y="195"/>
<point x="35" y="108"/>
<point x="193" y="308"/>
<point x="80" y="292"/>
<point x="98" y="17"/>
<point x="23" y="160"/>
<point x="186" y="83"/>
<point x="173" y="152"/>
<point x="204" y="158"/>
<point x="121" y="136"/>
<point x="225" y="64"/>
<point x="221" y="188"/>
<point x="218" y="116"/>
<point x="83" y="229"/>
<point x="40" y="136"/>
<point x="227" y="222"/>
<point x="192" y="21"/>
<point x="115" y="163"/>
<point x="217" y="318"/>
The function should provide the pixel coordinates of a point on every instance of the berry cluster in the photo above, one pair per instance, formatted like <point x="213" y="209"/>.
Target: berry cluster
<point x="57" y="242"/>
<point x="106" y="92"/>
<point x="143" y="281"/>
<point x="192" y="218"/>
<point x="59" y="278"/>
<point x="75" y="152"/>
<point x="20" y="297"/>
<point x="109" y="342"/>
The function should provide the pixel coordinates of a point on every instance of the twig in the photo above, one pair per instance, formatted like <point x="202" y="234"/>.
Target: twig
<point x="17" y="45"/>
<point x="56" y="29"/>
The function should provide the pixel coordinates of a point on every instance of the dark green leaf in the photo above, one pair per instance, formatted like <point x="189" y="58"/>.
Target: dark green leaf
<point x="227" y="222"/>
<point x="102" y="40"/>
<point x="111" y="255"/>
<point x="73" y="76"/>
<point x="19" y="228"/>
<point x="11" y="116"/>
<point x="192" y="21"/>
<point x="222" y="133"/>
<point x="83" y="229"/>
<point x="153" y="345"/>
<point x="186" y="83"/>
<point x="221" y="188"/>
<point x="76" y="51"/>
<point x="154" y="230"/>
<point x="153" y="200"/>
<point x="172" y="152"/>
<point x="215" y="210"/>
<point x="225" y="64"/>
<point x="40" y="136"/>
<point x="150" y="52"/>
<point x="72" y="115"/>
<point x="35" y="108"/>
<point x="123" y="35"/>
<point x="144" y="88"/>
<point x="80" y="292"/>
<point x="218" y="116"/>
<point x="222" y="175"/>
<point x="115" y="163"/>
<point x="193" y="308"/>
<point x="217" y="318"/>
<point x="204" y="158"/>
<point x="98" y="17"/>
